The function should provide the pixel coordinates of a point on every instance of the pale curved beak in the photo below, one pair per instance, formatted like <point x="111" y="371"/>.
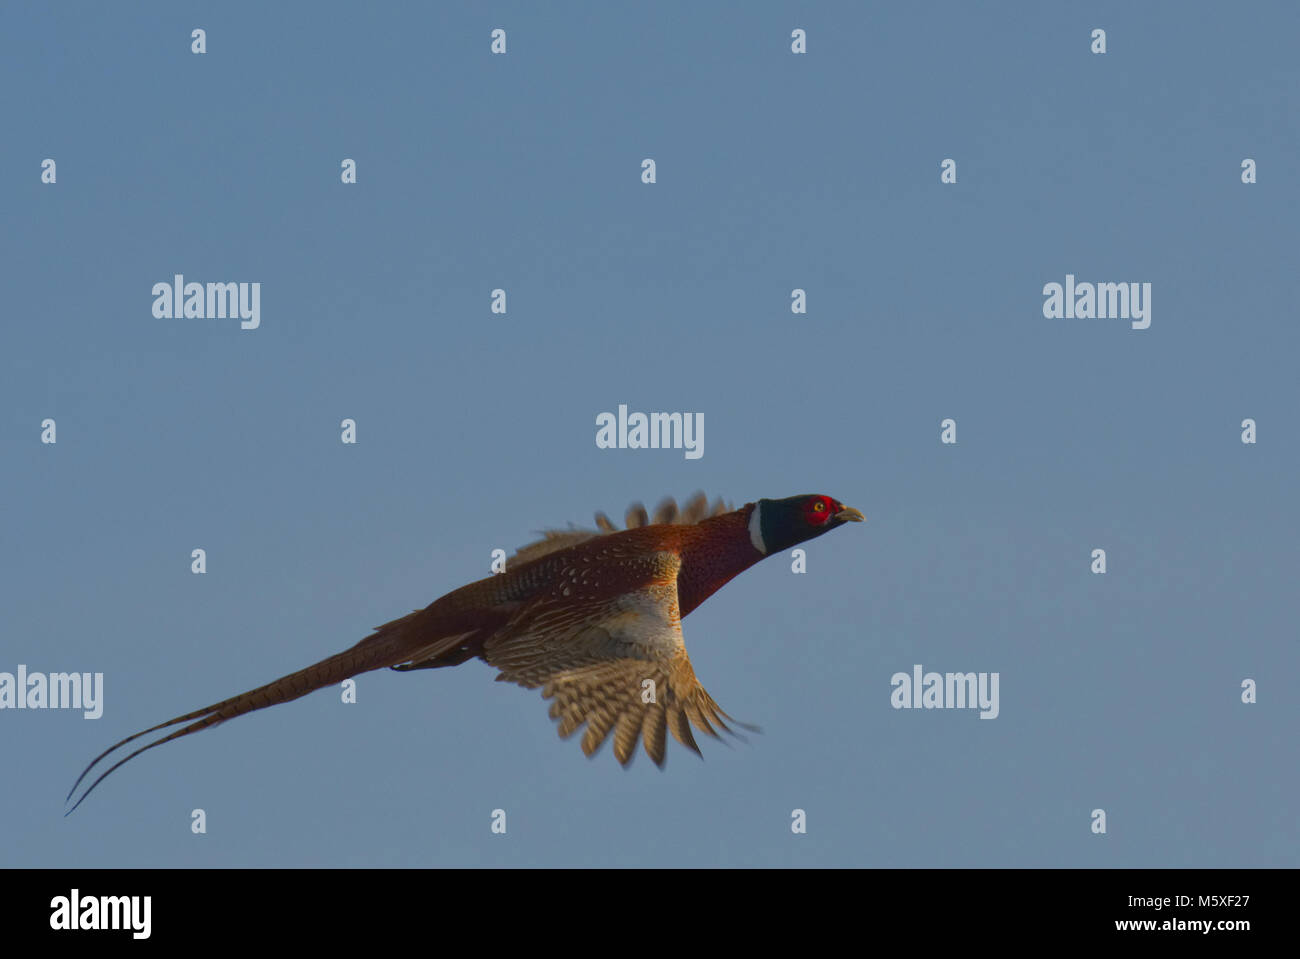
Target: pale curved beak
<point x="850" y="515"/>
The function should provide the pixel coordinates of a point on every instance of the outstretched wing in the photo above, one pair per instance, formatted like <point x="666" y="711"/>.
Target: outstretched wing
<point x="614" y="661"/>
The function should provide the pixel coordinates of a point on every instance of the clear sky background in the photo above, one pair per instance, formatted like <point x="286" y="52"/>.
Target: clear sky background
<point x="775" y="171"/>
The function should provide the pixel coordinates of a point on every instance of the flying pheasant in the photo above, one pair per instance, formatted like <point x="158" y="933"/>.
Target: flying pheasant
<point x="594" y="617"/>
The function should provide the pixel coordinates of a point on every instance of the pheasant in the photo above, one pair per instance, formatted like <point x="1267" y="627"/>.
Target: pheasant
<point x="593" y="617"/>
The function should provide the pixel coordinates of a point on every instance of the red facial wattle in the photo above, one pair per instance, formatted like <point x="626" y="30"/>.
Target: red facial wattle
<point x="819" y="510"/>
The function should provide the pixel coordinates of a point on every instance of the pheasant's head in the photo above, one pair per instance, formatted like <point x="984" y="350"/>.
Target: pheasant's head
<point x="777" y="524"/>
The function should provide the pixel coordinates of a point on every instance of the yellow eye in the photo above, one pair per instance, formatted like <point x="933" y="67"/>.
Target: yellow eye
<point x="819" y="507"/>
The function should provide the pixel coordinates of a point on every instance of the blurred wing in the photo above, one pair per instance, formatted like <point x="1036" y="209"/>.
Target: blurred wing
<point x="616" y="663"/>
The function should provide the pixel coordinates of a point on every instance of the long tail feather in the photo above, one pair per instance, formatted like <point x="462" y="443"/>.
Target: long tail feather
<point x="384" y="648"/>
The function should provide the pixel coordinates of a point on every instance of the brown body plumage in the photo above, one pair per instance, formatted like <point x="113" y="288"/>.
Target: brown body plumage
<point x="593" y="617"/>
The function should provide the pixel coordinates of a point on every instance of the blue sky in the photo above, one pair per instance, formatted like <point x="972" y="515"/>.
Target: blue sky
<point x="775" y="171"/>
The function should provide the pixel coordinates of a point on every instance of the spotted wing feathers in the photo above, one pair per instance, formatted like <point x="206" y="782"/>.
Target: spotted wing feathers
<point x="617" y="665"/>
